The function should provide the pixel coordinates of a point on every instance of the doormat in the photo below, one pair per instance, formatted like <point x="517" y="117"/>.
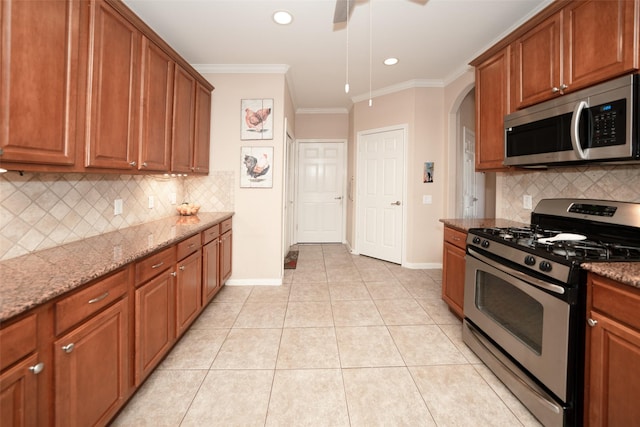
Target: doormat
<point x="291" y="260"/>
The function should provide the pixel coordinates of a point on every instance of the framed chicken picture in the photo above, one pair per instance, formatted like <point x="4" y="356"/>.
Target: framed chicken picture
<point x="256" y="118"/>
<point x="256" y="167"/>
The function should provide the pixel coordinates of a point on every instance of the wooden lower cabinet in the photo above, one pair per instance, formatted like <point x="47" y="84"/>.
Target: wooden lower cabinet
<point x="226" y="246"/>
<point x="188" y="291"/>
<point x="453" y="265"/>
<point x="91" y="369"/>
<point x="210" y="269"/>
<point x="612" y="384"/>
<point x="18" y="391"/>
<point x="155" y="330"/>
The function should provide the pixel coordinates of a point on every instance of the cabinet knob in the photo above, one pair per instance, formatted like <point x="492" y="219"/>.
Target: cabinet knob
<point x="555" y="90"/>
<point x="132" y="164"/>
<point x="144" y="164"/>
<point x="563" y="86"/>
<point x="592" y="322"/>
<point x="68" y="348"/>
<point x="36" y="369"/>
<point x="174" y="274"/>
<point x="182" y="267"/>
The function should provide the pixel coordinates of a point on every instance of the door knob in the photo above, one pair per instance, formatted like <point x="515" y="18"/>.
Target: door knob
<point x="396" y="203"/>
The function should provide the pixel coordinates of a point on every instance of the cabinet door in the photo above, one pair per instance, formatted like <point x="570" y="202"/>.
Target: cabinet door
<point x="453" y="266"/>
<point x="600" y="41"/>
<point x="202" y="130"/>
<point x="614" y="373"/>
<point x="18" y="394"/>
<point x="114" y="83"/>
<point x="39" y="81"/>
<point x="210" y="278"/>
<point x="492" y="103"/>
<point x="537" y="63"/>
<point x="226" y="246"/>
<point x="91" y="369"/>
<point x="157" y="100"/>
<point x="188" y="291"/>
<point x="155" y="324"/>
<point x="184" y="91"/>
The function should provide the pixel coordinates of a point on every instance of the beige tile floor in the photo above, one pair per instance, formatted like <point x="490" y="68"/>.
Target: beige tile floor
<point x="346" y="341"/>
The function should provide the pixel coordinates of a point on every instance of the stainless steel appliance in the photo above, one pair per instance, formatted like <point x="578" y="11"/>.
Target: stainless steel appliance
<point x="597" y="124"/>
<point x="525" y="297"/>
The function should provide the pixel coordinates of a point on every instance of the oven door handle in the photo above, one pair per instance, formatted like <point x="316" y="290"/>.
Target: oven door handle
<point x="524" y="277"/>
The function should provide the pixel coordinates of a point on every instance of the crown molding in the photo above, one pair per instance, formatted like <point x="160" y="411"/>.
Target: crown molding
<point x="241" y="68"/>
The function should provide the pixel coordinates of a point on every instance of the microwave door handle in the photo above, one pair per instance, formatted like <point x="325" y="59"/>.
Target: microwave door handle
<point x="575" y="129"/>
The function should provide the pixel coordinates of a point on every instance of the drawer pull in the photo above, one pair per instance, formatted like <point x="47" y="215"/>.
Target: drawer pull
<point x="193" y="245"/>
<point x="36" y="369"/>
<point x="68" y="348"/>
<point x="100" y="298"/>
<point x="158" y="264"/>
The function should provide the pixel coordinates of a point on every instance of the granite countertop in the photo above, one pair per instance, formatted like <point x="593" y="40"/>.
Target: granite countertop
<point x="465" y="224"/>
<point x="627" y="273"/>
<point x="33" y="279"/>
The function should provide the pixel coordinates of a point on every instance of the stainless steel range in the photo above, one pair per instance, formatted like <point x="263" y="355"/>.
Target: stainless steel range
<point x="525" y="297"/>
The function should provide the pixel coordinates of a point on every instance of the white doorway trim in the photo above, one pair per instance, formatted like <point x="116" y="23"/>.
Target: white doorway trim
<point x="343" y="142"/>
<point x="358" y="202"/>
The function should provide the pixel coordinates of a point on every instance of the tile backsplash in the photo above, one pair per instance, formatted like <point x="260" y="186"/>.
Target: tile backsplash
<point x="620" y="183"/>
<point x="39" y="211"/>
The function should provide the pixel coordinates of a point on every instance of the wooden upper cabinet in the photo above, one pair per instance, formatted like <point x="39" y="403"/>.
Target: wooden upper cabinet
<point x="584" y="43"/>
<point x="39" y="81"/>
<point x="184" y="92"/>
<point x="492" y="103"/>
<point x="114" y="82"/>
<point x="202" y="130"/>
<point x="537" y="63"/>
<point x="156" y="108"/>
<point x="600" y="41"/>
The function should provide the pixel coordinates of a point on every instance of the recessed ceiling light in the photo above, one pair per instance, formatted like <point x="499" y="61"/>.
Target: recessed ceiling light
<point x="390" y="61"/>
<point x="282" y="17"/>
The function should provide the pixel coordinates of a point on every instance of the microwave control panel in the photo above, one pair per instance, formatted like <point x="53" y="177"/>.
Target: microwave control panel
<point x="608" y="124"/>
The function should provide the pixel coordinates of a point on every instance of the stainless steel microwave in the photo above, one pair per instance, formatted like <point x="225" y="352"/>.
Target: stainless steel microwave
<point x="596" y="124"/>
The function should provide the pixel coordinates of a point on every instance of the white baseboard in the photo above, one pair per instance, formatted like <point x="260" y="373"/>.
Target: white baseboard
<point x="423" y="266"/>
<point x="254" y="282"/>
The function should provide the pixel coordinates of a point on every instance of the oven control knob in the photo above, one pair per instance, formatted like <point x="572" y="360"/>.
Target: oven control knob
<point x="485" y="244"/>
<point x="529" y="260"/>
<point x="545" y="266"/>
<point x="476" y="240"/>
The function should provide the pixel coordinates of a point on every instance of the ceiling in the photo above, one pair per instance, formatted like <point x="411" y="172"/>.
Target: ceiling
<point x="434" y="41"/>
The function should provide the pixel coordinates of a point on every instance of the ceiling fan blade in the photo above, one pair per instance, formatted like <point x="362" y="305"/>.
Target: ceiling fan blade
<point x="341" y="13"/>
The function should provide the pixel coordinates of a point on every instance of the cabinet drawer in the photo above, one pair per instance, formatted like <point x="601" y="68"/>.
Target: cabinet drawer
<point x="17" y="341"/>
<point x="188" y="246"/>
<point x="618" y="301"/>
<point x="455" y="237"/>
<point x="77" y="307"/>
<point x="210" y="233"/>
<point x="225" y="226"/>
<point x="154" y="264"/>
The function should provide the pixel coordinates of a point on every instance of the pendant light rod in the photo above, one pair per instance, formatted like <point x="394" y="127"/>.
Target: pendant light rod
<point x="370" y="49"/>
<point x="346" y="85"/>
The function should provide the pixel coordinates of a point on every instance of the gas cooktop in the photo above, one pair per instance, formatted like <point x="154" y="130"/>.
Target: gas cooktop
<point x="562" y="245"/>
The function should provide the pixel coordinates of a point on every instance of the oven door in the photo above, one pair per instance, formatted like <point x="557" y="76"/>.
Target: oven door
<point x="529" y="324"/>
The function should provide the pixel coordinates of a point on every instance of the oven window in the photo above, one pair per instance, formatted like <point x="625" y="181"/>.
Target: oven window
<point x="511" y="308"/>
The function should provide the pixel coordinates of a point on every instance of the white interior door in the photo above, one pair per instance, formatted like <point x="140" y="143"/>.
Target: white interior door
<point x="289" y="194"/>
<point x="473" y="182"/>
<point x="380" y="194"/>
<point x="320" y="192"/>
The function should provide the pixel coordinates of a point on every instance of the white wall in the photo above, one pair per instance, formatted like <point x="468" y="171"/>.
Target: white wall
<point x="257" y="224"/>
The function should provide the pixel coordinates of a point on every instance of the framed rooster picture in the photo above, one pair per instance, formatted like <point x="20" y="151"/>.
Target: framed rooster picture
<point x="256" y="168"/>
<point x="256" y="118"/>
